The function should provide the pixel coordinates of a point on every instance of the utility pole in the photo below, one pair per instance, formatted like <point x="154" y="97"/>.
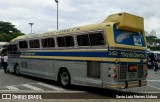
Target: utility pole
<point x="31" y="26"/>
<point x="57" y="13"/>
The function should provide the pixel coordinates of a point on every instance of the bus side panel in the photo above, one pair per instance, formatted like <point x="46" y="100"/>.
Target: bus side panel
<point x="38" y="68"/>
<point x="77" y="69"/>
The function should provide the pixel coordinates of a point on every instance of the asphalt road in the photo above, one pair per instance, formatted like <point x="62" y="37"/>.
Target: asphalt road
<point x="26" y="85"/>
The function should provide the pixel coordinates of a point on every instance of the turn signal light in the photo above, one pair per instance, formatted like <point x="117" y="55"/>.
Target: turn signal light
<point x="116" y="68"/>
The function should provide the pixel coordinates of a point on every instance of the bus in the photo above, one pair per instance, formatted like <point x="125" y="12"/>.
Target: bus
<point x="153" y="56"/>
<point x="3" y="49"/>
<point x="3" y="46"/>
<point x="111" y="54"/>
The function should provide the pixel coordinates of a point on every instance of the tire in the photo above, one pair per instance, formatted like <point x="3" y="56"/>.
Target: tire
<point x="65" y="79"/>
<point x="16" y="70"/>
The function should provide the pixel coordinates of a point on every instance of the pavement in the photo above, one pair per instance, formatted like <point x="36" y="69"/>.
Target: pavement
<point x="152" y="87"/>
<point x="153" y="84"/>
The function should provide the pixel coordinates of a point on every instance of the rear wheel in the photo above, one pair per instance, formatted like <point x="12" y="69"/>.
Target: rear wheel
<point x="65" y="78"/>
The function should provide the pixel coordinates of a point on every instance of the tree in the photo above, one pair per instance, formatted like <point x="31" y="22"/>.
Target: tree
<point x="151" y="39"/>
<point x="8" y="32"/>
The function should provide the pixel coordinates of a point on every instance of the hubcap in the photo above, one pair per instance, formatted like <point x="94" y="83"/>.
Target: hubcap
<point x="17" y="70"/>
<point x="64" y="78"/>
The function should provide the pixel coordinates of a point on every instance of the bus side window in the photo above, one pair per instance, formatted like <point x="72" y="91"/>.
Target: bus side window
<point x="69" y="41"/>
<point x="93" y="39"/>
<point x="34" y="44"/>
<point x="48" y="42"/>
<point x="51" y="42"/>
<point x="61" y="42"/>
<point x="96" y="39"/>
<point x="83" y="40"/>
<point x="12" y="49"/>
<point x="23" y="44"/>
<point x="66" y="41"/>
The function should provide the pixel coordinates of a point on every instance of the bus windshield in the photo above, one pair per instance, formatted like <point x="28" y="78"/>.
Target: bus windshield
<point x="128" y="38"/>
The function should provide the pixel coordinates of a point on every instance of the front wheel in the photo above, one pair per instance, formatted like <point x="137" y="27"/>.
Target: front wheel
<point x="65" y="79"/>
<point x="17" y="70"/>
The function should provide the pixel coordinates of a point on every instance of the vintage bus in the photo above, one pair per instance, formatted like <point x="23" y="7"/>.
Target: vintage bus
<point x="3" y="49"/>
<point x="111" y="54"/>
<point x="153" y="56"/>
<point x="3" y="46"/>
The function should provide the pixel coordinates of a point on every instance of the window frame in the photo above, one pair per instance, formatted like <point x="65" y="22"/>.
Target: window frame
<point x="12" y="48"/>
<point x="88" y="39"/>
<point x="73" y="41"/>
<point x="22" y="41"/>
<point x="47" y="38"/>
<point x="103" y="32"/>
<point x="33" y="40"/>
<point x="72" y="35"/>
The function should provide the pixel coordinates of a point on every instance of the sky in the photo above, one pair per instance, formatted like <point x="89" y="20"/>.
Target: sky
<point x="73" y="13"/>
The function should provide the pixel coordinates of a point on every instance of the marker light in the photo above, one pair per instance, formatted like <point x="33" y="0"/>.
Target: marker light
<point x="116" y="61"/>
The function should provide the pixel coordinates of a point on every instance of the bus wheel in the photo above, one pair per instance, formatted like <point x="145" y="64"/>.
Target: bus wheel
<point x="64" y="78"/>
<point x="16" y="70"/>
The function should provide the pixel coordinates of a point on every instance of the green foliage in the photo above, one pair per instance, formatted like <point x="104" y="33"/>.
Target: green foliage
<point x="151" y="39"/>
<point x="155" y="48"/>
<point x="8" y="31"/>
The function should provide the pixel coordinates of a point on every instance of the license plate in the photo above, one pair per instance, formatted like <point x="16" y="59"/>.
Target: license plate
<point x="132" y="68"/>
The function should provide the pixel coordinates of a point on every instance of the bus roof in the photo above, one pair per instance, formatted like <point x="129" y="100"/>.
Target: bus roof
<point x="156" y="51"/>
<point x="4" y="43"/>
<point x="123" y="20"/>
<point x="64" y="31"/>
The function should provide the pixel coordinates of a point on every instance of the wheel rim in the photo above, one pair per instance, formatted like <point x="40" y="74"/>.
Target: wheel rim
<point x="65" y="78"/>
<point x="17" y="70"/>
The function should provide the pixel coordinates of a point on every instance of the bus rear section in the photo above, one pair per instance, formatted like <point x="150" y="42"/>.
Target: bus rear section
<point x="128" y="72"/>
<point x="127" y="46"/>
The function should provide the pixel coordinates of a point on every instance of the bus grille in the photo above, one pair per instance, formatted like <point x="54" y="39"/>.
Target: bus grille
<point x="125" y="75"/>
<point x="123" y="71"/>
<point x="140" y="71"/>
<point x="132" y="75"/>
